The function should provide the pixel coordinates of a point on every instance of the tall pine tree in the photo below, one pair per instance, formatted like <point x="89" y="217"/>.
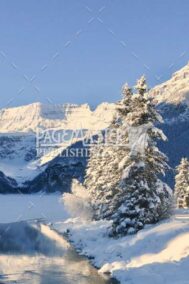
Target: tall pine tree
<point x="145" y="198"/>
<point x="182" y="184"/>
<point x="123" y="179"/>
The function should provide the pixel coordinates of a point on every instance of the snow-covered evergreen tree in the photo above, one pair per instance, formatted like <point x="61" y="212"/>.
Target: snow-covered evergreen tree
<point x="145" y="198"/>
<point x="182" y="184"/>
<point x="123" y="181"/>
<point x="103" y="173"/>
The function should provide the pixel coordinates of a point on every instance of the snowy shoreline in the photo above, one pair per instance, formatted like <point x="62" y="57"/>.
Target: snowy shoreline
<point x="45" y="256"/>
<point x="157" y="254"/>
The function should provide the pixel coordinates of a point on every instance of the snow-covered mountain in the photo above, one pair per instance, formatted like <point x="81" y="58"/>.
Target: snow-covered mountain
<point x="29" y="118"/>
<point x="172" y="99"/>
<point x="18" y="127"/>
<point x="17" y="156"/>
<point x="175" y="90"/>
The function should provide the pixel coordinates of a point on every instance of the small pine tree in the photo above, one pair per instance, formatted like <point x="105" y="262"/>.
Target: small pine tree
<point x="182" y="184"/>
<point x="145" y="198"/>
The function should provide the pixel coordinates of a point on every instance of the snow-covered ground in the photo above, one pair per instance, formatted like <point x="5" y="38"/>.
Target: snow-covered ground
<point x="158" y="254"/>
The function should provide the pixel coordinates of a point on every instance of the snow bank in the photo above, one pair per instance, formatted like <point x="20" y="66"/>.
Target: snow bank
<point x="158" y="254"/>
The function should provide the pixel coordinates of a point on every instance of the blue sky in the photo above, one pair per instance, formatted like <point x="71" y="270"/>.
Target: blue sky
<point x="83" y="51"/>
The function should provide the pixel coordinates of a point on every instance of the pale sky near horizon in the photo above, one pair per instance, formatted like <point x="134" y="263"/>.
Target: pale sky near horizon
<point x="82" y="51"/>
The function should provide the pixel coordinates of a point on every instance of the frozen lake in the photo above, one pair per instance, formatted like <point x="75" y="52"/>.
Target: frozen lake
<point x="20" y="207"/>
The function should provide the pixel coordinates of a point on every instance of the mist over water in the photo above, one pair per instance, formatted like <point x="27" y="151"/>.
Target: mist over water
<point x="33" y="253"/>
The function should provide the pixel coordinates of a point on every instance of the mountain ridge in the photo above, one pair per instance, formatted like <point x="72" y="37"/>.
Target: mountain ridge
<point x="29" y="118"/>
<point x="175" y="90"/>
<point x="18" y="158"/>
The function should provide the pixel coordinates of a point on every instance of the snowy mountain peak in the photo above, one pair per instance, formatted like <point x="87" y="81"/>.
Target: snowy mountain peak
<point x="55" y="116"/>
<point x="175" y="90"/>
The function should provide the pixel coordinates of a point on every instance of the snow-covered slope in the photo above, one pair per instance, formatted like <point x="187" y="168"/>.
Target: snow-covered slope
<point x="17" y="146"/>
<point x="31" y="117"/>
<point x="18" y="127"/>
<point x="172" y="98"/>
<point x="175" y="90"/>
<point x="157" y="254"/>
<point x="17" y="155"/>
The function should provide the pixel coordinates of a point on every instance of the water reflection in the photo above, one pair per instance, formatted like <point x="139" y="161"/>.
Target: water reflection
<point x="35" y="254"/>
